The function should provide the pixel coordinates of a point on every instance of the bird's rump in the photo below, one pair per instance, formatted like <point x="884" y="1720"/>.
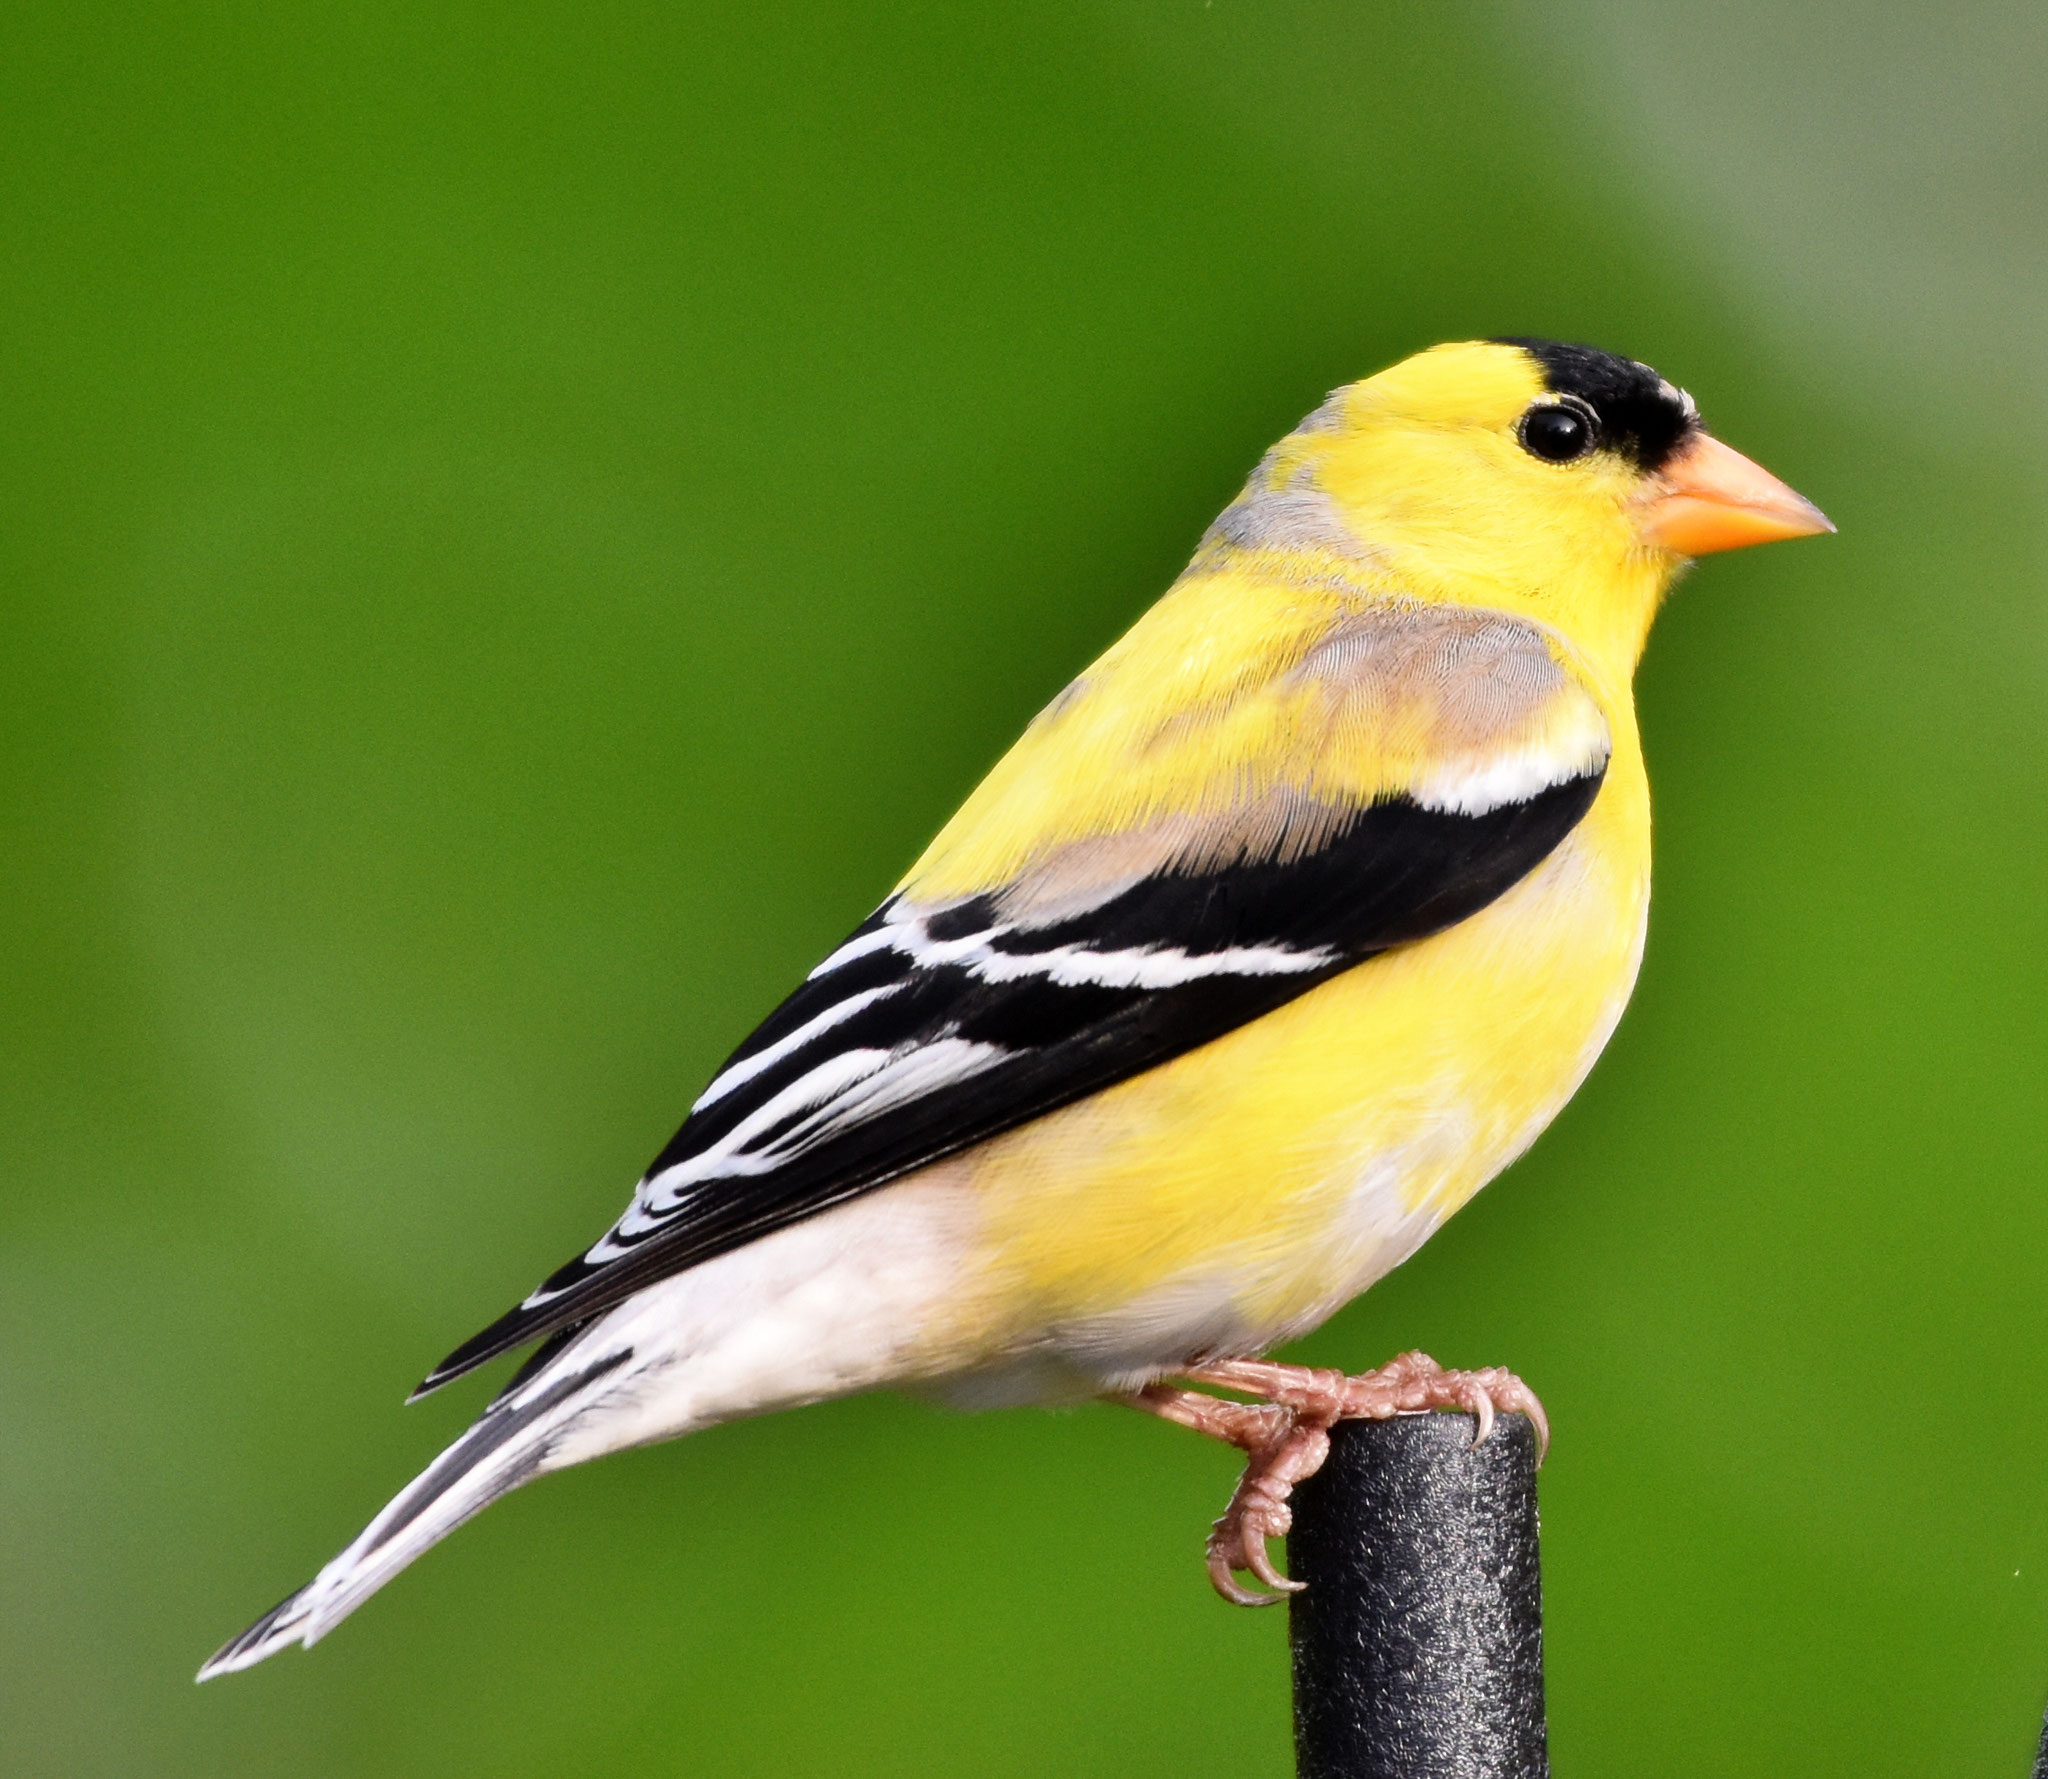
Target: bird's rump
<point x="1386" y="772"/>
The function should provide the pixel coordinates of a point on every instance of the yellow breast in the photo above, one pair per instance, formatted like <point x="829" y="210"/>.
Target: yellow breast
<point x="1243" y="1192"/>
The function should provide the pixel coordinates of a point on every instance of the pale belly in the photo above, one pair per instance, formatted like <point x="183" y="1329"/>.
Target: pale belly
<point x="1241" y="1194"/>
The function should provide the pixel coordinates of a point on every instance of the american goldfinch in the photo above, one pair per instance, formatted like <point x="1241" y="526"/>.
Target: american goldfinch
<point x="1281" y="930"/>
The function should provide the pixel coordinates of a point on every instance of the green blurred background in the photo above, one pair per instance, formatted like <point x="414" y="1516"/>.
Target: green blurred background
<point x="517" y="522"/>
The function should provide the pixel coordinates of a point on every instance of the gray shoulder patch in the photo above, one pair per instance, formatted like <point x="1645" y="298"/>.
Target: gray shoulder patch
<point x="1476" y="698"/>
<point x="1495" y="716"/>
<point x="1482" y="676"/>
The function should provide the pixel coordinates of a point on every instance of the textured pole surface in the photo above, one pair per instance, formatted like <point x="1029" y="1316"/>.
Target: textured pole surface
<point x="2041" y="1757"/>
<point x="1418" y="1645"/>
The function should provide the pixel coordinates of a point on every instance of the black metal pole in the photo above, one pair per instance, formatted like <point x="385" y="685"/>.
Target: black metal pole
<point x="1418" y="1643"/>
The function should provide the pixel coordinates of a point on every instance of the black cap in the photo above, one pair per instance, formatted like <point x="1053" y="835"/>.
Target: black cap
<point x="1641" y="416"/>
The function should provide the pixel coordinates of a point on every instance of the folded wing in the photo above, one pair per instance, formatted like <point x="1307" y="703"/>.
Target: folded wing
<point x="1117" y="893"/>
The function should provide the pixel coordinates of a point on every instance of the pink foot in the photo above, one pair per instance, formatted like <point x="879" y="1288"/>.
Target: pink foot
<point x="1286" y="1436"/>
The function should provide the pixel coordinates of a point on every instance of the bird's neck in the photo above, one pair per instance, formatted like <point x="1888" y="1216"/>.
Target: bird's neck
<point x="1589" y="583"/>
<point x="1601" y="609"/>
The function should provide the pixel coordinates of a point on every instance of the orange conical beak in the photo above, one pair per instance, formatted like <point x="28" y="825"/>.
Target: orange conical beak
<point x="1710" y="498"/>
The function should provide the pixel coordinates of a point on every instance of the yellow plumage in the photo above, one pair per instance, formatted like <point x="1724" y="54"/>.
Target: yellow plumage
<point x="1283" y="929"/>
<point x="1299" y="1158"/>
<point x="1443" y="510"/>
<point x="1282" y="1168"/>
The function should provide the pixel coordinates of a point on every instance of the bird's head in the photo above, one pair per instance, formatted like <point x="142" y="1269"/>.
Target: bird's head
<point x="1560" y="481"/>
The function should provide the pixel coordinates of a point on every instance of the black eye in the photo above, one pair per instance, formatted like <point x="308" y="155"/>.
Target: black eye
<point x="1558" y="433"/>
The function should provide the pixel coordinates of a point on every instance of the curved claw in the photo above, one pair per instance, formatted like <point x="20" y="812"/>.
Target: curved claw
<point x="1225" y="1583"/>
<point x="1517" y="1398"/>
<point x="1260" y="1563"/>
<point x="1482" y="1406"/>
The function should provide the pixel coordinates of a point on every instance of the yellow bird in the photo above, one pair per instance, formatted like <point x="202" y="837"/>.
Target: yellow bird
<point x="1283" y="929"/>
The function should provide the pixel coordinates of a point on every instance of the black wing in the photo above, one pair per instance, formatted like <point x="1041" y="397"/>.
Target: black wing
<point x="935" y="1027"/>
